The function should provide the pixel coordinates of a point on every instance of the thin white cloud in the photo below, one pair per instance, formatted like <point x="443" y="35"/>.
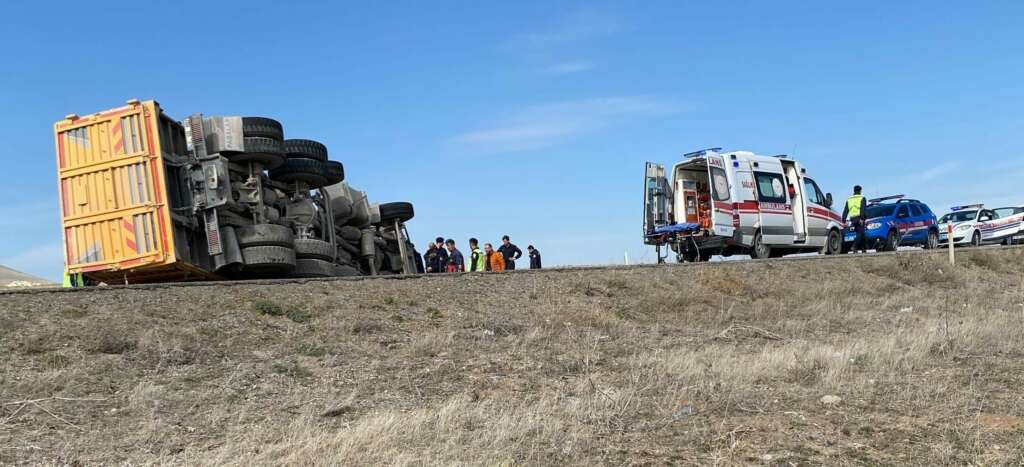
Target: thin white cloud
<point x="574" y="27"/>
<point x="566" y="68"/>
<point x="936" y="171"/>
<point x="544" y="125"/>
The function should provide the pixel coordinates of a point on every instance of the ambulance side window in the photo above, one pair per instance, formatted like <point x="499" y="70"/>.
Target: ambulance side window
<point x="719" y="184"/>
<point x="770" y="187"/>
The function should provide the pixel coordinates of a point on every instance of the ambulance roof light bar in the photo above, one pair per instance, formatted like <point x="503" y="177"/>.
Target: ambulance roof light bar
<point x="700" y="153"/>
<point x="885" y="198"/>
<point x="967" y="206"/>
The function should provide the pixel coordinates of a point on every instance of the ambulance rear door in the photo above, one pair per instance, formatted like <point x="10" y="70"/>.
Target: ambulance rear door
<point x="657" y="200"/>
<point x="723" y="215"/>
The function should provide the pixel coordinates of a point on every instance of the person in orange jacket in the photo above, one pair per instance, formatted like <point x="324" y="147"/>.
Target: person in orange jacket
<point x="495" y="260"/>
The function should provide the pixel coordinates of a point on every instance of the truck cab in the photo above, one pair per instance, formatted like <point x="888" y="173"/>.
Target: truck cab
<point x="714" y="202"/>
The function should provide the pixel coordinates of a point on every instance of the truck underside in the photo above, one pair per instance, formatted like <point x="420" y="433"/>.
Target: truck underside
<point x="148" y="199"/>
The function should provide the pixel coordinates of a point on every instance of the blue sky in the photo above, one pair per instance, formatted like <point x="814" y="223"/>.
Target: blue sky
<point x="534" y="118"/>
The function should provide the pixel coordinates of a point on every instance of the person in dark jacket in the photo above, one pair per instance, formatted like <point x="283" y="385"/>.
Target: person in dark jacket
<point x="420" y="268"/>
<point x="509" y="252"/>
<point x="456" y="263"/>
<point x="430" y="258"/>
<point x="442" y="255"/>
<point x="534" y="257"/>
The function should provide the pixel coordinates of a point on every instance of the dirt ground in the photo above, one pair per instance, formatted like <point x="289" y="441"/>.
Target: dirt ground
<point x="853" y="361"/>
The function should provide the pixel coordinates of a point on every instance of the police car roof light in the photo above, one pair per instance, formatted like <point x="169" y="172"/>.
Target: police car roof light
<point x="885" y="198"/>
<point x="967" y="206"/>
<point x="700" y="153"/>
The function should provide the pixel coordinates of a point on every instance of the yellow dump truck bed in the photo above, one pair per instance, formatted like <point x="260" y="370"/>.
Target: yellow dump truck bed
<point x="116" y="210"/>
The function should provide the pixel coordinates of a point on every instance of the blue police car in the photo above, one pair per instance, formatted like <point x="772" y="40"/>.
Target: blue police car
<point x="894" y="221"/>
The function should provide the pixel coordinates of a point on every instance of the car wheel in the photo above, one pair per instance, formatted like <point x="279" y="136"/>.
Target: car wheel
<point x="833" y="243"/>
<point x="976" y="238"/>
<point x="892" y="241"/>
<point x="933" y="240"/>
<point x="759" y="250"/>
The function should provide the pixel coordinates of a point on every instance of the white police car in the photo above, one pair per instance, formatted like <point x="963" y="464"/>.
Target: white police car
<point x="967" y="223"/>
<point x="1008" y="224"/>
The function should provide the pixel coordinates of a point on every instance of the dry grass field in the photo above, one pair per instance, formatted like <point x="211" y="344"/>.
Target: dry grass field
<point x="854" y="361"/>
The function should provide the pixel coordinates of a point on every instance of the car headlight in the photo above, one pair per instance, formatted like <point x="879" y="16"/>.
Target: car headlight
<point x="874" y="225"/>
<point x="961" y="228"/>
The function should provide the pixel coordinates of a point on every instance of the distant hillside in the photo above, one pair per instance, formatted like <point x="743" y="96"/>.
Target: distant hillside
<point x="11" y="278"/>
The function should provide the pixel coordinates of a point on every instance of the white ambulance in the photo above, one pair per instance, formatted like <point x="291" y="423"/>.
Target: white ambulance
<point x="726" y="203"/>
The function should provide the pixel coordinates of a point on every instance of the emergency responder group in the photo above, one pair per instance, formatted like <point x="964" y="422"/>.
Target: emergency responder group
<point x="443" y="256"/>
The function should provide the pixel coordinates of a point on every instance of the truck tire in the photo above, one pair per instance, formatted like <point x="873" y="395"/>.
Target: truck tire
<point x="334" y="172"/>
<point x="344" y="270"/>
<point x="266" y="151"/>
<point x="268" y="260"/>
<point x="759" y="250"/>
<point x="311" y="248"/>
<point x="343" y="255"/>
<point x="350" y="234"/>
<point x="305" y="149"/>
<point x="399" y="210"/>
<point x="304" y="170"/>
<point x="265" y="235"/>
<point x="262" y="127"/>
<point x="308" y="267"/>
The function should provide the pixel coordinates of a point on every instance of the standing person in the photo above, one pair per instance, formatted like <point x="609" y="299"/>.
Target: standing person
<point x="442" y="255"/>
<point x="420" y="267"/>
<point x="534" y="257"/>
<point x="477" y="259"/>
<point x="430" y="258"/>
<point x="856" y="208"/>
<point x="456" y="263"/>
<point x="495" y="260"/>
<point x="509" y="252"/>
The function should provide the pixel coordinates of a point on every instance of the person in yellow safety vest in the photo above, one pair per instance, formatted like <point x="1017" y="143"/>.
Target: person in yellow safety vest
<point x="477" y="258"/>
<point x="72" y="280"/>
<point x="856" y="208"/>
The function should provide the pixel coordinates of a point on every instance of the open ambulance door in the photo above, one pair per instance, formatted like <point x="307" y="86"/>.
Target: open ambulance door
<point x="723" y="213"/>
<point x="657" y="200"/>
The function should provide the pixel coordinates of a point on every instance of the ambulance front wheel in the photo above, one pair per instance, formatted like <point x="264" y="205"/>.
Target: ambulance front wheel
<point x="759" y="250"/>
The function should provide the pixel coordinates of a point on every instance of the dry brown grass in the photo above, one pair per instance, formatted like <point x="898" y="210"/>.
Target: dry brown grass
<point x="723" y="365"/>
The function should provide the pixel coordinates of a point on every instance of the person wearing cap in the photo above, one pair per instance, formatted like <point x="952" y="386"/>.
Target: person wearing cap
<point x="509" y="252"/>
<point x="534" y="257"/>
<point x="856" y="207"/>
<point x="477" y="259"/>
<point x="456" y="263"/>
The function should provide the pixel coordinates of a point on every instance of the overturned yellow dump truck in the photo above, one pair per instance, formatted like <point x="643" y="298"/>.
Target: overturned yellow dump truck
<point x="146" y="198"/>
